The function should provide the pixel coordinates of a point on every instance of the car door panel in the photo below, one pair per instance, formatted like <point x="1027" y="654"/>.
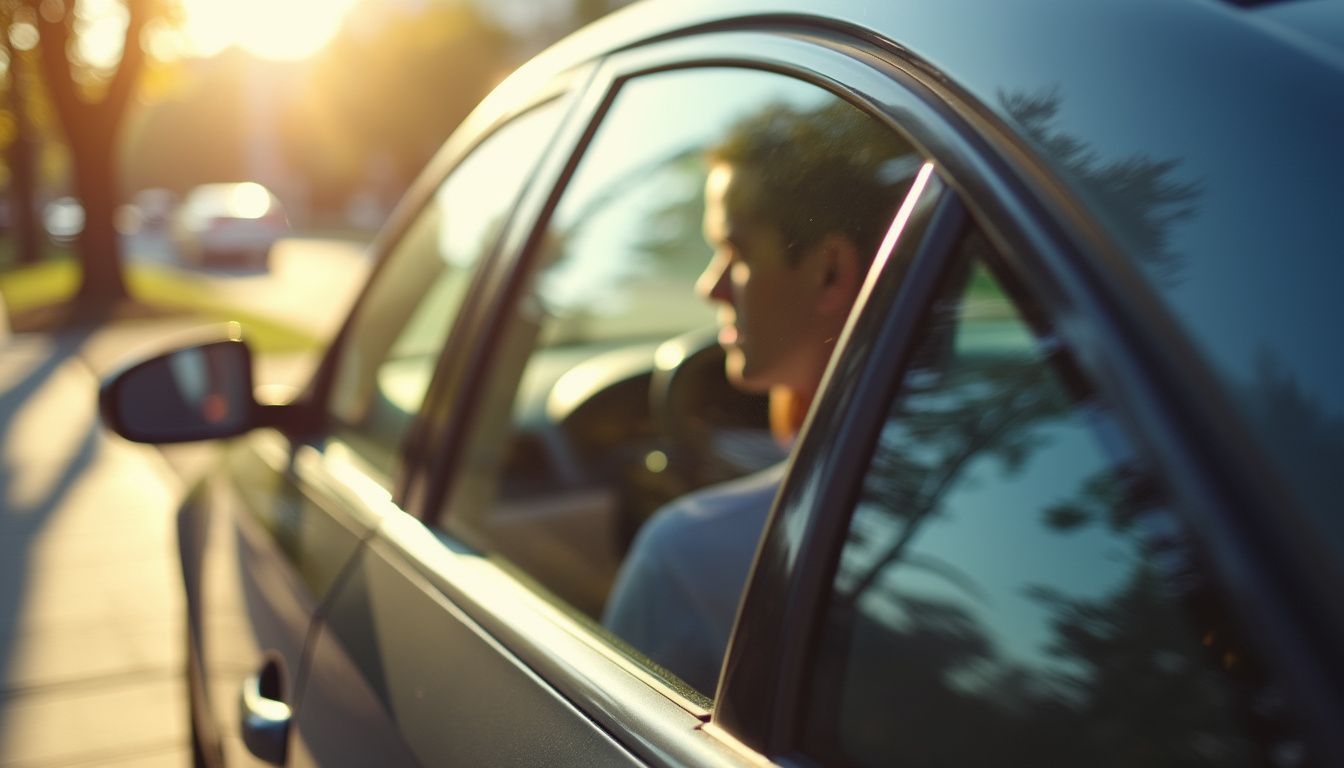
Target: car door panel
<point x="398" y="663"/>
<point x="273" y="535"/>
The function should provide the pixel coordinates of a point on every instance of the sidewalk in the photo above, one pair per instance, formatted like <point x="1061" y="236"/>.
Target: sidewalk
<point x="91" y="631"/>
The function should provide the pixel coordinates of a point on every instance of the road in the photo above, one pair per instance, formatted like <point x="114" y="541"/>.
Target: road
<point x="311" y="282"/>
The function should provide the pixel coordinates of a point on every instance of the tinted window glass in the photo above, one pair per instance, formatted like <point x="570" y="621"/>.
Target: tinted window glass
<point x="1242" y="247"/>
<point x="400" y="326"/>
<point x="609" y="400"/>
<point x="1013" y="589"/>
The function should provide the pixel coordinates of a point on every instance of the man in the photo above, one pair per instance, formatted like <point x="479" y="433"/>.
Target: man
<point x="796" y="204"/>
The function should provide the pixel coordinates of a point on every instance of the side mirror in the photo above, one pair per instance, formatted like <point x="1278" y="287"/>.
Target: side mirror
<point x="201" y="392"/>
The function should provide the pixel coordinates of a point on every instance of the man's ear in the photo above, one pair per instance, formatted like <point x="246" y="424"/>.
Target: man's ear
<point x="841" y="274"/>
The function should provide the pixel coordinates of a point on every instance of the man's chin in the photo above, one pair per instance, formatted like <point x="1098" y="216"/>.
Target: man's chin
<point x="741" y="376"/>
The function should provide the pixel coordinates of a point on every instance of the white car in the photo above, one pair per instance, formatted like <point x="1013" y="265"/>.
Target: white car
<point x="229" y="223"/>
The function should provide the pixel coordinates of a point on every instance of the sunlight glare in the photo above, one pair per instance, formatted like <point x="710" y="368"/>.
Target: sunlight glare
<point x="274" y="29"/>
<point x="101" y="27"/>
<point x="249" y="200"/>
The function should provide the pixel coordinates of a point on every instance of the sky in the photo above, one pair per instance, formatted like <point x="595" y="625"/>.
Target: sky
<point x="273" y="29"/>
<point x="278" y="29"/>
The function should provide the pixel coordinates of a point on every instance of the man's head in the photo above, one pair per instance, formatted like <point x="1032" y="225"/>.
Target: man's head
<point x="796" y="204"/>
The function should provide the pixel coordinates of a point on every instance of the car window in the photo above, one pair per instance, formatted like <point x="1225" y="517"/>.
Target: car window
<point x="400" y="326"/>
<point x="608" y="402"/>
<point x="1015" y="588"/>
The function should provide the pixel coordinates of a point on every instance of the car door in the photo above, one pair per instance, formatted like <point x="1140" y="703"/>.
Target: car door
<point x="474" y="631"/>
<point x="271" y="536"/>
<point x="984" y="562"/>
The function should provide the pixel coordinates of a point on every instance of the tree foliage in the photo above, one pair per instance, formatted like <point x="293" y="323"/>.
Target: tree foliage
<point x="387" y="91"/>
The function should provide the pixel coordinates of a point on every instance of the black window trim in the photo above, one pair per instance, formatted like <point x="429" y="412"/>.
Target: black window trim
<point x="767" y="663"/>
<point x="475" y="306"/>
<point x="419" y="483"/>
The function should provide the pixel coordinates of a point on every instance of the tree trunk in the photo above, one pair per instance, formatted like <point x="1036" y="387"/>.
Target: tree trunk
<point x="91" y="130"/>
<point x="102" y="284"/>
<point x="23" y="195"/>
<point x="22" y="160"/>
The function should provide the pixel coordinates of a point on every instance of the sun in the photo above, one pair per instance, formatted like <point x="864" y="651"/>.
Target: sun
<point x="274" y="29"/>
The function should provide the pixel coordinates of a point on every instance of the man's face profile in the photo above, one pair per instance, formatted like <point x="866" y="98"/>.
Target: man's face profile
<point x="766" y="303"/>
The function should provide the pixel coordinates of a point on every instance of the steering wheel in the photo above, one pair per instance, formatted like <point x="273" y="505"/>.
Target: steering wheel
<point x="712" y="430"/>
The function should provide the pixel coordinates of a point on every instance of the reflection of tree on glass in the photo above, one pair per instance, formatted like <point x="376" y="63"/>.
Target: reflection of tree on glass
<point x="1011" y="573"/>
<point x="1303" y="432"/>
<point x="797" y="202"/>
<point x="1140" y="194"/>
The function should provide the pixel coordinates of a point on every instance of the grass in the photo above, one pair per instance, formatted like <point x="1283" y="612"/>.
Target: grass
<point x="29" y="290"/>
<point x="171" y="290"/>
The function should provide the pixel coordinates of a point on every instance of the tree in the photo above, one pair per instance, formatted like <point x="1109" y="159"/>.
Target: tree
<point x="386" y="92"/>
<point x="90" y="110"/>
<point x="585" y="11"/>
<point x="21" y="152"/>
<point x="202" y="103"/>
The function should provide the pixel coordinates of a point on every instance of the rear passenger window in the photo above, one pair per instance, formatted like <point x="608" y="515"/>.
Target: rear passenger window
<point x="1014" y="589"/>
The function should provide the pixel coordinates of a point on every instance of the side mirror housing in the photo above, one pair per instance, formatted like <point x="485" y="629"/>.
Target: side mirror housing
<point x="200" y="392"/>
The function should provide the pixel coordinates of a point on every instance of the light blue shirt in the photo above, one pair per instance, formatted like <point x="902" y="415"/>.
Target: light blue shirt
<point x="677" y="593"/>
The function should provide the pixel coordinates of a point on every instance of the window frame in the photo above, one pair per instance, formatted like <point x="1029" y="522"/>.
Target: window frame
<point x="823" y="56"/>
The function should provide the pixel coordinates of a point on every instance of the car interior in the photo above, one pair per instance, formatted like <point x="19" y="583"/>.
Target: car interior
<point x="591" y="444"/>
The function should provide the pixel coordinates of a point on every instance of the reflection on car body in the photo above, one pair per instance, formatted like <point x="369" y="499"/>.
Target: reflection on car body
<point x="1067" y="493"/>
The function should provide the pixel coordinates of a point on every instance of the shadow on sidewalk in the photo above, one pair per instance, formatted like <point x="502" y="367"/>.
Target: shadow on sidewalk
<point x="22" y="520"/>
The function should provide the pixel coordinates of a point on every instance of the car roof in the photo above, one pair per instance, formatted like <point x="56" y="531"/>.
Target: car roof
<point x="1307" y="22"/>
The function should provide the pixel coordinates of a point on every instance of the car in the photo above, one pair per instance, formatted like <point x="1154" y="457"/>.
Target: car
<point x="228" y="223"/>
<point x="63" y="219"/>
<point x="1068" y="492"/>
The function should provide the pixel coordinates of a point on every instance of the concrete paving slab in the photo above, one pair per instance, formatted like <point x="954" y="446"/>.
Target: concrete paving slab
<point x="91" y="634"/>
<point x="58" y="599"/>
<point x="168" y="757"/>
<point x="93" y="724"/>
<point x="95" y="650"/>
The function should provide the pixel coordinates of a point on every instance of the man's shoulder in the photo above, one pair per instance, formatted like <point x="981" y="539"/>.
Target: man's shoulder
<point x="718" y="509"/>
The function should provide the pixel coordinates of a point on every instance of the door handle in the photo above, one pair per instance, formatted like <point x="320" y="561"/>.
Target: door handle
<point x="265" y="715"/>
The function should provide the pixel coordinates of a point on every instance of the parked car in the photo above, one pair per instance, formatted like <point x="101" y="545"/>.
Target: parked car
<point x="1068" y="494"/>
<point x="63" y="219"/>
<point x="229" y="223"/>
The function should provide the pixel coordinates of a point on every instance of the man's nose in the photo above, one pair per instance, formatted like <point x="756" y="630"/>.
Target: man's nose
<point x="712" y="284"/>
